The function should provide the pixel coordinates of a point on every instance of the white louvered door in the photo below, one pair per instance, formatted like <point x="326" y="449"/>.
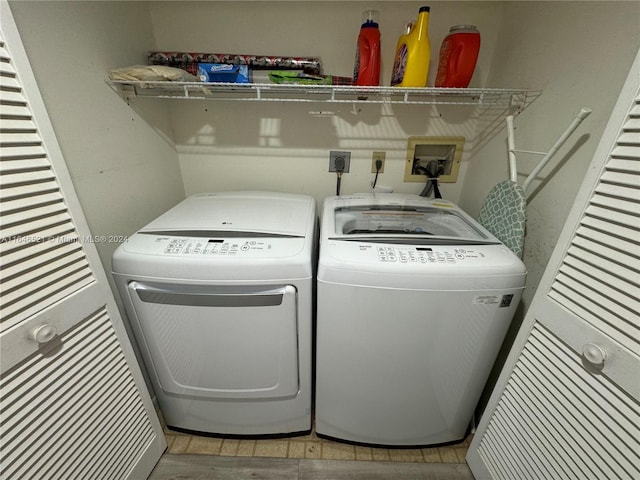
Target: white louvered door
<point x="567" y="404"/>
<point x="73" y="403"/>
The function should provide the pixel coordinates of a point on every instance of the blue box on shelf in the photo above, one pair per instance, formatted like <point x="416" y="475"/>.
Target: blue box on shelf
<point x="222" y="72"/>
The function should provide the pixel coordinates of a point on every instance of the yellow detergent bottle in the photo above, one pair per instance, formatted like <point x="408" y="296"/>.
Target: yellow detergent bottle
<point x="413" y="54"/>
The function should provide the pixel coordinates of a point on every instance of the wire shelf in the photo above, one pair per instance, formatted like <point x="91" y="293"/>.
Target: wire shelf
<point x="515" y="99"/>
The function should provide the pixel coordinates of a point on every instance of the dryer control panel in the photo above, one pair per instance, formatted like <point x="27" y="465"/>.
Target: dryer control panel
<point x="190" y="246"/>
<point x="178" y="246"/>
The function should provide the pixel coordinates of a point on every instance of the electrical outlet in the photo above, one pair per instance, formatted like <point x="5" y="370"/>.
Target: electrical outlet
<point x="377" y="156"/>
<point x="333" y="155"/>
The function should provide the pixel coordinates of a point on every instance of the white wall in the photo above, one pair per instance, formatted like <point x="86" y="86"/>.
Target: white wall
<point x="236" y="145"/>
<point x="123" y="170"/>
<point x="579" y="54"/>
<point x="126" y="170"/>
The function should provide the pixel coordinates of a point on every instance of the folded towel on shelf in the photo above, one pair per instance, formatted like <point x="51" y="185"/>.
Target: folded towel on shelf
<point x="151" y="73"/>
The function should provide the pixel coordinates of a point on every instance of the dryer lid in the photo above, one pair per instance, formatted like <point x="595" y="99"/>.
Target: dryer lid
<point x="238" y="214"/>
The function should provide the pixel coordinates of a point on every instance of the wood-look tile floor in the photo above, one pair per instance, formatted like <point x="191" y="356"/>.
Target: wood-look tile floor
<point x="213" y="467"/>
<point x="194" y="457"/>
<point x="309" y="447"/>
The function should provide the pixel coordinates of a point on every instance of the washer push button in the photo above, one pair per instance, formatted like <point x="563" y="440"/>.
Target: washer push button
<point x="175" y="245"/>
<point x="386" y="254"/>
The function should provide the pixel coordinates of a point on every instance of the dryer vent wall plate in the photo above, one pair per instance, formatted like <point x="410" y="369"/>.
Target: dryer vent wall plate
<point x="447" y="151"/>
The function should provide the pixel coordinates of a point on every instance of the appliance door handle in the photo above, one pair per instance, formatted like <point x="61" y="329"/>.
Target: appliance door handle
<point x="210" y="296"/>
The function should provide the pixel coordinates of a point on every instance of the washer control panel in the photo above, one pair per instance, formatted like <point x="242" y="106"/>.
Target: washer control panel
<point x="423" y="254"/>
<point x="409" y="258"/>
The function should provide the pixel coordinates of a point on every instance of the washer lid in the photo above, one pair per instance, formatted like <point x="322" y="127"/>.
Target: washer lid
<point x="407" y="219"/>
<point x="238" y="214"/>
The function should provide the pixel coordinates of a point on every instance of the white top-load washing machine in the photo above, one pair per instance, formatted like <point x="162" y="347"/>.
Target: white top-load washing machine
<point x="414" y="300"/>
<point x="219" y="295"/>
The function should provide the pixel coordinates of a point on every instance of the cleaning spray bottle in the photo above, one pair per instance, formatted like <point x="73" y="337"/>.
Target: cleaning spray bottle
<point x="367" y="66"/>
<point x="413" y="54"/>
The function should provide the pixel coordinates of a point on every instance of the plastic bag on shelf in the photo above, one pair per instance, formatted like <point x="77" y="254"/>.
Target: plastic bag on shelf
<point x="151" y="73"/>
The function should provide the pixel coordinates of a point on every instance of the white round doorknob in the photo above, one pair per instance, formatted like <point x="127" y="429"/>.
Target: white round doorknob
<point x="44" y="334"/>
<point x="594" y="354"/>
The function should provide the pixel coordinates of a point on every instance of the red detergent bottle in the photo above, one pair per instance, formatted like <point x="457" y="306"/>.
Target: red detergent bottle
<point x="458" y="56"/>
<point x="367" y="66"/>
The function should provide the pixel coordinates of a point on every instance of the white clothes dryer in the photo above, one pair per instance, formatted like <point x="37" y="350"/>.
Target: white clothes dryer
<point x="414" y="300"/>
<point x="219" y="295"/>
